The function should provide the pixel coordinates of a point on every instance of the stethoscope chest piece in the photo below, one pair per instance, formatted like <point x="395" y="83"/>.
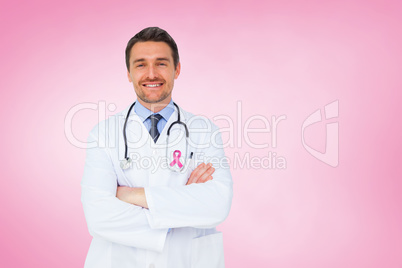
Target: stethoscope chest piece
<point x="125" y="163"/>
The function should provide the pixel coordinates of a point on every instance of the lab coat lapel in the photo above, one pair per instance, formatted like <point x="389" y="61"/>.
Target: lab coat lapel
<point x="138" y="138"/>
<point x="135" y="126"/>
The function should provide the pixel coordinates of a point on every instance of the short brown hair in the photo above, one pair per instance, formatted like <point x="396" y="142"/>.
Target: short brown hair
<point x="155" y="34"/>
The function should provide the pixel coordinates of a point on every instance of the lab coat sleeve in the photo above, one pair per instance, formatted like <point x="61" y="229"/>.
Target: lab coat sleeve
<point x="199" y="205"/>
<point x="108" y="217"/>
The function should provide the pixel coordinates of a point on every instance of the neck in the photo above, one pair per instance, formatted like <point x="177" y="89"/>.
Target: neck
<point x="155" y="107"/>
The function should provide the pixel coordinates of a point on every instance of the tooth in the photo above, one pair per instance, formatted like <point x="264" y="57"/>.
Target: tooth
<point x="153" y="85"/>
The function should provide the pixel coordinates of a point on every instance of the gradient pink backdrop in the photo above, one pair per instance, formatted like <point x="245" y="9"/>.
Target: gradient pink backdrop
<point x="276" y="57"/>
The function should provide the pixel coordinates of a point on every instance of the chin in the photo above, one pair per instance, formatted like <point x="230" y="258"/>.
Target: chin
<point x="153" y="100"/>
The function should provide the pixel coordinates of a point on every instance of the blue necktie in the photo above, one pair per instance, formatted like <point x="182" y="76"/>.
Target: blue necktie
<point x="154" y="123"/>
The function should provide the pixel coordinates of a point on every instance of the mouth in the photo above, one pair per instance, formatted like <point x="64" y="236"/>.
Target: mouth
<point x="152" y="85"/>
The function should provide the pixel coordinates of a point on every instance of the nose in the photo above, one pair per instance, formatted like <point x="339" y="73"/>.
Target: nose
<point x="152" y="74"/>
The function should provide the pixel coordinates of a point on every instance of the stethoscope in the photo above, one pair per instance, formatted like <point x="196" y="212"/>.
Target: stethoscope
<point x="126" y="162"/>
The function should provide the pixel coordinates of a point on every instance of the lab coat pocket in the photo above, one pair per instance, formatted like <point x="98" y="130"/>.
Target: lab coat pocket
<point x="207" y="251"/>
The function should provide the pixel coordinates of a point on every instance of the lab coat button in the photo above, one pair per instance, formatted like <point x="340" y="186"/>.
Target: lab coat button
<point x="154" y="152"/>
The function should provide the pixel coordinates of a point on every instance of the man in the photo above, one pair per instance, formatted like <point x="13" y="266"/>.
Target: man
<point x="164" y="214"/>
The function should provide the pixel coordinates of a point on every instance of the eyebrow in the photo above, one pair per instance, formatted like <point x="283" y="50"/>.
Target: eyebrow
<point x="160" y="59"/>
<point x="165" y="59"/>
<point x="138" y="60"/>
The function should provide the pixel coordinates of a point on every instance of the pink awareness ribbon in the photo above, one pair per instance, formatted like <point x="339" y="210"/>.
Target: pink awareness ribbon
<point x="176" y="159"/>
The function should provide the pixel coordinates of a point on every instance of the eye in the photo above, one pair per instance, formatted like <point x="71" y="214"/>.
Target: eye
<point x="162" y="64"/>
<point x="140" y="65"/>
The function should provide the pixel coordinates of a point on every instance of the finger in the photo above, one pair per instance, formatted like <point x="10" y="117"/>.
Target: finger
<point x="206" y="174"/>
<point x="197" y="172"/>
<point x="202" y="170"/>
<point x="192" y="177"/>
<point x="207" y="179"/>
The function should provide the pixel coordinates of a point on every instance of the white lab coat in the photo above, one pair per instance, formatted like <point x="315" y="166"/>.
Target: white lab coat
<point x="126" y="235"/>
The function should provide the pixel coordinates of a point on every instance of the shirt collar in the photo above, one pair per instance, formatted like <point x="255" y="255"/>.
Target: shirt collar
<point x="144" y="113"/>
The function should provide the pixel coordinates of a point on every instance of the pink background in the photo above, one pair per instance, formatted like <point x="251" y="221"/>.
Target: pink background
<point x="276" y="57"/>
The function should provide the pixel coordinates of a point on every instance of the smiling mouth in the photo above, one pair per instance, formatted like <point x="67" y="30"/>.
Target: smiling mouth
<point x="152" y="85"/>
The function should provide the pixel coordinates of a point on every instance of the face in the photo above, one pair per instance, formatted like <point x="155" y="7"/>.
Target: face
<point x="152" y="72"/>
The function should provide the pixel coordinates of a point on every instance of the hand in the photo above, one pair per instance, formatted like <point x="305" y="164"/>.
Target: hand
<point x="132" y="195"/>
<point x="125" y="193"/>
<point x="201" y="174"/>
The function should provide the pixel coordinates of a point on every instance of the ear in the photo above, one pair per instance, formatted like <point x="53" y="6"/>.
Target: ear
<point x="129" y="77"/>
<point x="177" y="72"/>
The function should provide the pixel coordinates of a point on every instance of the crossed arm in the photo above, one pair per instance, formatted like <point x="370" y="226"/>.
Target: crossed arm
<point x="111" y="216"/>
<point x="136" y="195"/>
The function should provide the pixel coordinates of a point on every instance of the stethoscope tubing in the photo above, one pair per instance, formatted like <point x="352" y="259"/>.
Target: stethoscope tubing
<point x="178" y="121"/>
